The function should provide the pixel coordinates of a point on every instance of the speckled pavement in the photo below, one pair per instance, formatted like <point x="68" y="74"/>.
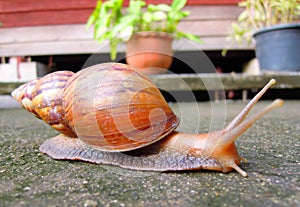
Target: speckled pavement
<point x="29" y="178"/>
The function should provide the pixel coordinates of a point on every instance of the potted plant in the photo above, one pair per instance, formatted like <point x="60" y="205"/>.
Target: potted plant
<point x="139" y="22"/>
<point x="275" y="27"/>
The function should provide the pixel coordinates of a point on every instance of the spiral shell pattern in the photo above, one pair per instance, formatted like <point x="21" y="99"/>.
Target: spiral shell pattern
<point x="47" y="100"/>
<point x="112" y="107"/>
<point x="43" y="98"/>
<point x="23" y="94"/>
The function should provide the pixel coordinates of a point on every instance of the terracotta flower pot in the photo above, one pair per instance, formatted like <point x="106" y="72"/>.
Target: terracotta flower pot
<point x="150" y="51"/>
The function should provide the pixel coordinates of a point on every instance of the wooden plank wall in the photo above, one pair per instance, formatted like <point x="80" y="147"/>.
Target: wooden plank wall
<point x="50" y="28"/>
<point x="16" y="13"/>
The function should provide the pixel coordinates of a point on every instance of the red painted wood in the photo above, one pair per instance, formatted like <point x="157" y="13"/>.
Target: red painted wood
<point x="36" y="5"/>
<point x="197" y="2"/>
<point x="17" y="13"/>
<point x="45" y="18"/>
<point x="42" y="5"/>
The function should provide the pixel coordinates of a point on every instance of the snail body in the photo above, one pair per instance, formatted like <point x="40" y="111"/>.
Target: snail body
<point x="111" y="114"/>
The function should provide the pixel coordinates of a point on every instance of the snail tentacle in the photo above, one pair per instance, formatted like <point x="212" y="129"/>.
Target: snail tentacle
<point x="230" y="136"/>
<point x="237" y="168"/>
<point x="241" y="116"/>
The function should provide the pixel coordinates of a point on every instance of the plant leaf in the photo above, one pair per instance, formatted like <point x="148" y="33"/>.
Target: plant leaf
<point x="189" y="37"/>
<point x="147" y="17"/>
<point x="159" y="7"/>
<point x="126" y="34"/>
<point x="94" y="15"/>
<point x="159" y="16"/>
<point x="178" y="4"/>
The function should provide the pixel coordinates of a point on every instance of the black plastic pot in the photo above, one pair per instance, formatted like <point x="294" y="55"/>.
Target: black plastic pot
<point x="278" y="48"/>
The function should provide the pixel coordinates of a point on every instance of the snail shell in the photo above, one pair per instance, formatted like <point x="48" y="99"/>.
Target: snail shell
<point x="111" y="108"/>
<point x="24" y="95"/>
<point x="43" y="98"/>
<point x="120" y="109"/>
<point x="47" y="101"/>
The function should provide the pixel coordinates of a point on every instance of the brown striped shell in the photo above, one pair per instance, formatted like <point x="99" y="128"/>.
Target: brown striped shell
<point x="43" y="98"/>
<point x="109" y="106"/>
<point x="114" y="108"/>
<point x="23" y="94"/>
<point x="47" y="101"/>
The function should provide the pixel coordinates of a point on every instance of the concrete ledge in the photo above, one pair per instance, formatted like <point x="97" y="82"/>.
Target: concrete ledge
<point x="6" y="102"/>
<point x="205" y="81"/>
<point x="200" y="82"/>
<point x="8" y="87"/>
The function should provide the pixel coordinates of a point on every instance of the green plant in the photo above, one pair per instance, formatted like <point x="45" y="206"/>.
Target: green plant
<point x="117" y="25"/>
<point x="259" y="14"/>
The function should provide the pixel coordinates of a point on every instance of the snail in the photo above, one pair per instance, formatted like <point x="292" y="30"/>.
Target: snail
<point x="112" y="114"/>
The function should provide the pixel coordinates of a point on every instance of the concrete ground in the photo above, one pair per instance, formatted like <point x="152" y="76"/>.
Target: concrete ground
<point x="29" y="178"/>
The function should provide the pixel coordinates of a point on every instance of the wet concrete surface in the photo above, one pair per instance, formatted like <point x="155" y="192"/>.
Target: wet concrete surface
<point x="29" y="178"/>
